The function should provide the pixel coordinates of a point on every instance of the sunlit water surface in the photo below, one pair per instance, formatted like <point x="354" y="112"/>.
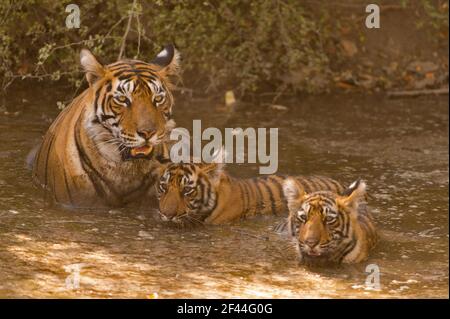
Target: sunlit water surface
<point x="399" y="146"/>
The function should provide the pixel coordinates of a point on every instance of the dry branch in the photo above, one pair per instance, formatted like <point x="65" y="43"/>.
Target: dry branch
<point x="412" y="93"/>
<point x="124" y="40"/>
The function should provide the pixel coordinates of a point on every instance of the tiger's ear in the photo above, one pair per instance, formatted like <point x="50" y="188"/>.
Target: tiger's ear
<point x="353" y="195"/>
<point x="168" y="60"/>
<point x="94" y="70"/>
<point x="294" y="193"/>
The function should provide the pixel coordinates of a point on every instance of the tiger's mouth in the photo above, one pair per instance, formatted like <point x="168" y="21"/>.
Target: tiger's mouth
<point x="131" y="153"/>
<point x="316" y="258"/>
<point x="314" y="253"/>
<point x="184" y="220"/>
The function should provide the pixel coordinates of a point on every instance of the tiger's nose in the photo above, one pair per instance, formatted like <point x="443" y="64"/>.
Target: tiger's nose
<point x="147" y="134"/>
<point x="312" y="242"/>
<point x="168" y="211"/>
<point x="168" y="215"/>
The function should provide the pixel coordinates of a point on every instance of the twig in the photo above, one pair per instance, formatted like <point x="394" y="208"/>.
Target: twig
<point x="52" y="50"/>
<point x="40" y="76"/>
<point x="138" y="21"/>
<point x="6" y="15"/>
<point x="114" y="26"/>
<point x="124" y="40"/>
<point x="412" y="93"/>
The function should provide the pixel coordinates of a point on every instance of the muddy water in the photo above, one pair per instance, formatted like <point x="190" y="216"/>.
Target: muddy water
<point x="399" y="146"/>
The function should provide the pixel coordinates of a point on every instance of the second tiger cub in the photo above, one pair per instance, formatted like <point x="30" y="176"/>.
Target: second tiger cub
<point x="192" y="194"/>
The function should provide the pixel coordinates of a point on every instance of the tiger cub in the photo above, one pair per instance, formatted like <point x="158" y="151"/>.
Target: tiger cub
<point x="327" y="227"/>
<point x="205" y="193"/>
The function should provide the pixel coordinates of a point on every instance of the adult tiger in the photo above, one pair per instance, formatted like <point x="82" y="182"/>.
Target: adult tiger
<point x="330" y="228"/>
<point x="205" y="193"/>
<point x="101" y="150"/>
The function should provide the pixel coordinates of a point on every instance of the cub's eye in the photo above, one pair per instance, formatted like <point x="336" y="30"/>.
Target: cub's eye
<point x="158" y="99"/>
<point x="330" y="219"/>
<point x="187" y="190"/>
<point x="121" y="99"/>
<point x="301" y="216"/>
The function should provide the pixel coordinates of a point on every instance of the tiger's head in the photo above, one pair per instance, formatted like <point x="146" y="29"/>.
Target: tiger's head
<point x="188" y="193"/>
<point x="322" y="223"/>
<point x="131" y="103"/>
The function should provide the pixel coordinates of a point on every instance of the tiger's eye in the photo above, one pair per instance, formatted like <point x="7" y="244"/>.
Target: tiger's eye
<point x="122" y="99"/>
<point x="158" y="98"/>
<point x="301" y="216"/>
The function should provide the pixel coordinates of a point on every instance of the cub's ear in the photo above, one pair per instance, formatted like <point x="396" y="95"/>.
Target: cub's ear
<point x="353" y="195"/>
<point x="168" y="60"/>
<point x="94" y="70"/>
<point x="286" y="226"/>
<point x="294" y="193"/>
<point x="215" y="164"/>
<point x="209" y="168"/>
<point x="213" y="171"/>
<point x="159" y="172"/>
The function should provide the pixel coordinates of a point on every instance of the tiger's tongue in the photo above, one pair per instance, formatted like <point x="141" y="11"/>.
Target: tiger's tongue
<point x="142" y="150"/>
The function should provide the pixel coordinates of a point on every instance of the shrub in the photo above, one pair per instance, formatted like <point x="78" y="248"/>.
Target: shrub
<point x="242" y="45"/>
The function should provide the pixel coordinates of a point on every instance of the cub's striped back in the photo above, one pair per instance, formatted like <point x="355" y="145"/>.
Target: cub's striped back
<point x="205" y="193"/>
<point x="264" y="195"/>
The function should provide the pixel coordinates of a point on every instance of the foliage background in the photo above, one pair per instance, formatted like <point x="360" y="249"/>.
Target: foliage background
<point x="248" y="46"/>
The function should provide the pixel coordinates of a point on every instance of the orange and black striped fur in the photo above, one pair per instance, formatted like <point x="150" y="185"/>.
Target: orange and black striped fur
<point x="205" y="193"/>
<point x="328" y="228"/>
<point x="101" y="150"/>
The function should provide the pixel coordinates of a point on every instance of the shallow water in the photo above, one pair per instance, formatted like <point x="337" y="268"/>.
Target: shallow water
<point x="400" y="147"/>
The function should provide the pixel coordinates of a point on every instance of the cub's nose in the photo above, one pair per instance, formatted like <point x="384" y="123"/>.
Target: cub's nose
<point x="312" y="242"/>
<point x="147" y="134"/>
<point x="167" y="212"/>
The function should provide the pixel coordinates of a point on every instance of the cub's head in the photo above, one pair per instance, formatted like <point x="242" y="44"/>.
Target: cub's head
<point x="321" y="223"/>
<point x="187" y="193"/>
<point x="131" y="103"/>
